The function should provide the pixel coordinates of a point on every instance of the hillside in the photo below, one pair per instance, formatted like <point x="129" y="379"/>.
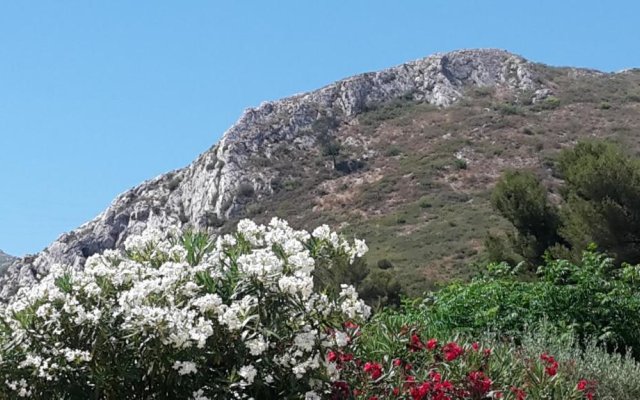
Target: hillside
<point x="404" y="158"/>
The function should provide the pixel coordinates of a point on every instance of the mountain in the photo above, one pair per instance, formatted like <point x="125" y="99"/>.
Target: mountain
<point x="5" y="260"/>
<point x="404" y="158"/>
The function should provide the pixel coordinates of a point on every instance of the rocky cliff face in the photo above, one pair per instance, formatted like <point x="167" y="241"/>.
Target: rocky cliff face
<point x="212" y="189"/>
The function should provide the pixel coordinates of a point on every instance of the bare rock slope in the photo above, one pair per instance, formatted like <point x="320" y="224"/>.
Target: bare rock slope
<point x="210" y="190"/>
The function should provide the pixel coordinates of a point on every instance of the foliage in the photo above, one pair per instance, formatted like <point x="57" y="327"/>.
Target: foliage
<point x="591" y="298"/>
<point x="601" y="203"/>
<point x="386" y="361"/>
<point x="386" y="337"/>
<point x="602" y="195"/>
<point x="183" y="317"/>
<point x="520" y="197"/>
<point x="331" y="148"/>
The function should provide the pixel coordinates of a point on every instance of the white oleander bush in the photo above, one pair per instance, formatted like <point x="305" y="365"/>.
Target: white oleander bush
<point x="177" y="316"/>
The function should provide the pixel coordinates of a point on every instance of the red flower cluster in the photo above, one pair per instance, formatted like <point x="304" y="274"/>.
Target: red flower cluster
<point x="434" y="388"/>
<point x="480" y="383"/>
<point x="551" y="365"/>
<point x="452" y="351"/>
<point x="339" y="358"/>
<point x="415" y="344"/>
<point x="421" y="371"/>
<point x="519" y="393"/>
<point x="588" y="387"/>
<point x="373" y="369"/>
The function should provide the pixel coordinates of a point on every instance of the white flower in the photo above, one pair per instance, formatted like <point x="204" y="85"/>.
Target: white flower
<point x="341" y="338"/>
<point x="322" y="232"/>
<point x="199" y="395"/>
<point x="248" y="372"/>
<point x="312" y="396"/>
<point x="361" y="247"/>
<point x="306" y="340"/>
<point x="260" y="263"/>
<point x="257" y="346"/>
<point x="185" y="367"/>
<point x="149" y="293"/>
<point x="208" y="302"/>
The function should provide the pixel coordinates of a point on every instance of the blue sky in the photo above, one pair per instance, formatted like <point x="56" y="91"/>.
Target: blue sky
<point x="97" y="96"/>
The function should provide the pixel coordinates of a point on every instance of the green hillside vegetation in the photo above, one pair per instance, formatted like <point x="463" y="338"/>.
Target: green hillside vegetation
<point x="415" y="180"/>
<point x="598" y="203"/>
<point x="190" y="316"/>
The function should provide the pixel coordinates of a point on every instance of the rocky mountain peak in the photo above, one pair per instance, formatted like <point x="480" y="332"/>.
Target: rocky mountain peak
<point x="210" y="190"/>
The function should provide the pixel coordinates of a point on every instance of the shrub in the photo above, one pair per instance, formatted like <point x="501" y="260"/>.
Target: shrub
<point x="385" y="264"/>
<point x="393" y="151"/>
<point x="549" y="103"/>
<point x="509" y="109"/>
<point x="182" y="317"/>
<point x="602" y="194"/>
<point x="425" y="202"/>
<point x="592" y="298"/>
<point x="520" y="197"/>
<point x="246" y="189"/>
<point x="511" y="362"/>
<point x="406" y="364"/>
<point x="460" y="163"/>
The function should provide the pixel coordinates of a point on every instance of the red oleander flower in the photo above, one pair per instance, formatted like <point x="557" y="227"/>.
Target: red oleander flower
<point x="475" y="346"/>
<point x="373" y="369"/>
<point x="432" y="344"/>
<point x="396" y="391"/>
<point x="415" y="344"/>
<point x="340" y="390"/>
<point x="588" y="387"/>
<point x="480" y="383"/>
<point x="551" y="364"/>
<point x="373" y="398"/>
<point x="452" y="351"/>
<point x="346" y="357"/>
<point x="409" y="381"/>
<point x="332" y="356"/>
<point x="552" y="370"/>
<point x="420" y="392"/>
<point x="519" y="393"/>
<point x="443" y="386"/>
<point x="397" y="362"/>
<point x="350" y="325"/>
<point x="435" y="376"/>
<point x="487" y="352"/>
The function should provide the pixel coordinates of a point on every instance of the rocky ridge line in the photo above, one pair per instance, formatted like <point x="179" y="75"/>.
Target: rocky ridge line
<point x="205" y="193"/>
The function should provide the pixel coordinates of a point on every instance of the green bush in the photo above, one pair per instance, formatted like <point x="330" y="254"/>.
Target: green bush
<point x="617" y="375"/>
<point x="520" y="197"/>
<point x="460" y="163"/>
<point x="393" y="151"/>
<point x="592" y="298"/>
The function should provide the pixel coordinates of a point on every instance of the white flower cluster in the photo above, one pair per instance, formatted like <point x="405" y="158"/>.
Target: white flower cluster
<point x="244" y="311"/>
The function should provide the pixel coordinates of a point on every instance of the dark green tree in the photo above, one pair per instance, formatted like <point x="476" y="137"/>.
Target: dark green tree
<point x="331" y="148"/>
<point x="602" y="199"/>
<point x="520" y="197"/>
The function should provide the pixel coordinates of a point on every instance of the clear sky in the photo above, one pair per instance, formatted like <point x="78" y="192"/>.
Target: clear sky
<point x="97" y="96"/>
